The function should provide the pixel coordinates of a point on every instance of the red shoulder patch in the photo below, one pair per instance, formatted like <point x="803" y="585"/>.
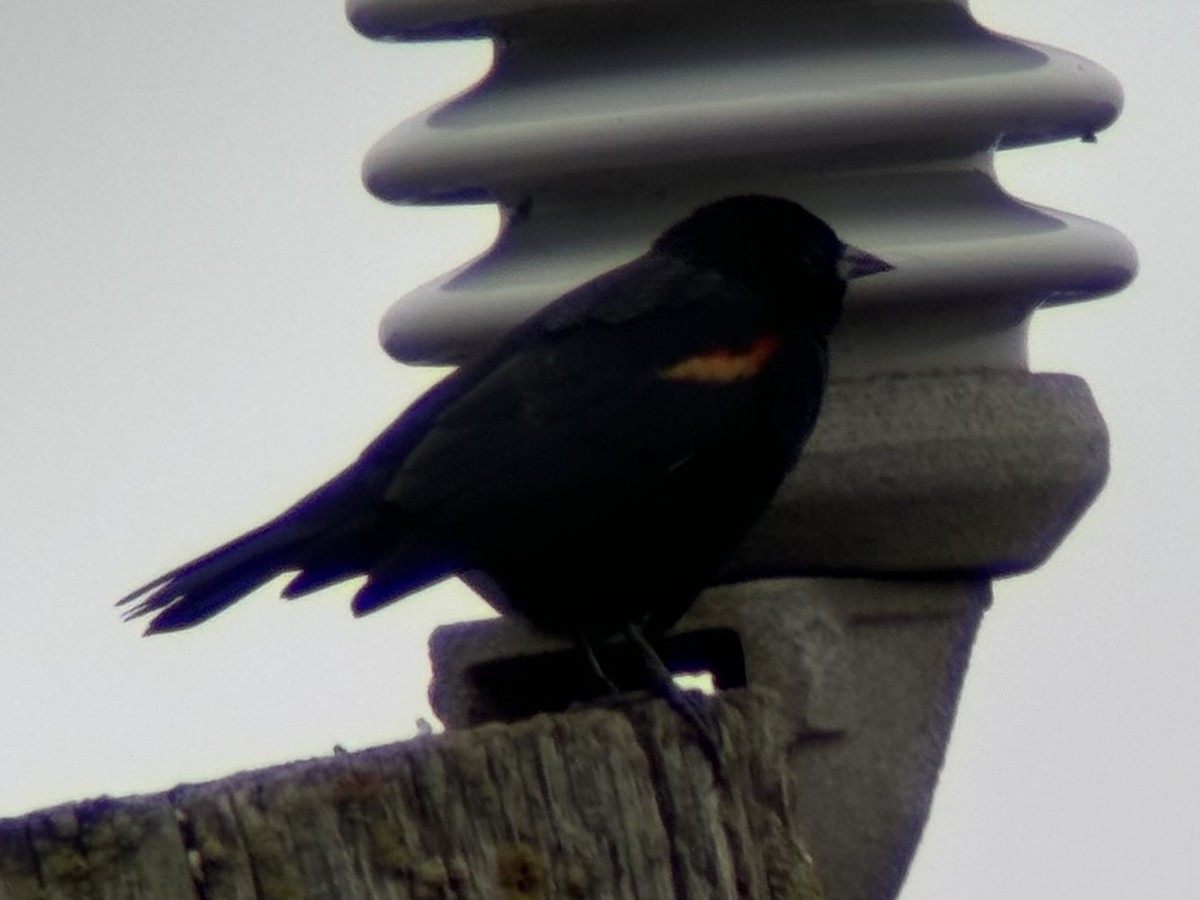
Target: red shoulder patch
<point x="724" y="365"/>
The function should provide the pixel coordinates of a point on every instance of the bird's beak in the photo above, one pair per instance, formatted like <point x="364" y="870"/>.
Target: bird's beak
<point x="857" y="263"/>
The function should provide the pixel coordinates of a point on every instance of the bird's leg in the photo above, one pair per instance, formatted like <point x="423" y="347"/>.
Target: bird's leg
<point x="584" y="643"/>
<point x="686" y="704"/>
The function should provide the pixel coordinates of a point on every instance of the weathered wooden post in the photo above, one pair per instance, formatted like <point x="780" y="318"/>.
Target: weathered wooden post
<point x="594" y="803"/>
<point x="842" y="634"/>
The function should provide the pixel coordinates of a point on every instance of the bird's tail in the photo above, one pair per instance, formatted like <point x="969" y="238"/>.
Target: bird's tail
<point x="203" y="587"/>
<point x="339" y="531"/>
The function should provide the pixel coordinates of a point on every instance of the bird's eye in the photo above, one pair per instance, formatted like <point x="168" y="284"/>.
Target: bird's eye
<point x="815" y="261"/>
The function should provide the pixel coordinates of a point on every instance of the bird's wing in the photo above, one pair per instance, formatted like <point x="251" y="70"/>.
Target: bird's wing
<point x="610" y="386"/>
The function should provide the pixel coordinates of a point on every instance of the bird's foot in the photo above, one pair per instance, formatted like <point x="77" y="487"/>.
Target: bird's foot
<point x="607" y="685"/>
<point x="691" y="706"/>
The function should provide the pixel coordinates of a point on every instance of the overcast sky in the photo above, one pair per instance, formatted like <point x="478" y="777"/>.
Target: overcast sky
<point x="191" y="284"/>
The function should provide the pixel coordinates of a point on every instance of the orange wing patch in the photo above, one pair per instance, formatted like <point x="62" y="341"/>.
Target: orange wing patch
<point x="722" y="366"/>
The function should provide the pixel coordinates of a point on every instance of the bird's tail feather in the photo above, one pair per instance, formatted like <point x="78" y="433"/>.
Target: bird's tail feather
<point x="410" y="565"/>
<point x="344" y="554"/>
<point x="301" y="541"/>
<point x="203" y="587"/>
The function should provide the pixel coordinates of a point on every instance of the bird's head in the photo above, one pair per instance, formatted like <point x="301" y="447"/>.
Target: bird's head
<point x="776" y="246"/>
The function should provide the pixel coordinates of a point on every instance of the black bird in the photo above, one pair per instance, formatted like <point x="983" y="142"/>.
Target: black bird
<point x="594" y="469"/>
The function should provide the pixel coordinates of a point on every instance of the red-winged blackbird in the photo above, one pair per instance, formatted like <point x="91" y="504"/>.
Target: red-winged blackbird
<point x="594" y="469"/>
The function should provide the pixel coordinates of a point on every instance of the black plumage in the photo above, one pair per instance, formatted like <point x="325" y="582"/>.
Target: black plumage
<point x="594" y="468"/>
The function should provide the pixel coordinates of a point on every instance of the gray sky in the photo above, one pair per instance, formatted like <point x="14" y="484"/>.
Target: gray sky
<point x="192" y="280"/>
